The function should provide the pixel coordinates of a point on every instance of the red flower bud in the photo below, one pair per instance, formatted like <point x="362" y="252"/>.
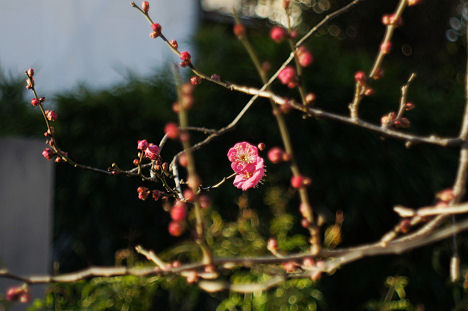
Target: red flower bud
<point x="143" y="193"/>
<point x="277" y="34"/>
<point x="48" y="153"/>
<point x="145" y="6"/>
<point x="156" y="29"/>
<point x="179" y="211"/>
<point x="297" y="181"/>
<point x="287" y="75"/>
<point x="310" y="98"/>
<point x="275" y="154"/>
<point x="304" y="56"/>
<point x="172" y="130"/>
<point x="142" y="144"/>
<point x="30" y="72"/>
<point x="186" y="59"/>
<point x="176" y="228"/>
<point x="51" y="115"/>
<point x="386" y="47"/>
<point x="152" y="152"/>
<point x="35" y="102"/>
<point x="174" y="44"/>
<point x="183" y="160"/>
<point x="239" y="30"/>
<point x="195" y="80"/>
<point x="360" y="76"/>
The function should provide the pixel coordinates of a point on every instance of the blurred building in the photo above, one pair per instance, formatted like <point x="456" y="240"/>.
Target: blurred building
<point x="94" y="42"/>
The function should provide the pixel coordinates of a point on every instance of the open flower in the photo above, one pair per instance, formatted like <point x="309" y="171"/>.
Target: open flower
<point x="243" y="155"/>
<point x="246" y="163"/>
<point x="250" y="177"/>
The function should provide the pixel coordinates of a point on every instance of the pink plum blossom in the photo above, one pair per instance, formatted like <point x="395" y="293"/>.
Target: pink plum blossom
<point x="243" y="155"/>
<point x="247" y="165"/>
<point x="250" y="177"/>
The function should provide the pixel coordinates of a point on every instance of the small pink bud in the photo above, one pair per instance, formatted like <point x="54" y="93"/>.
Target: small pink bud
<point x="297" y="181"/>
<point x="179" y="211"/>
<point x="186" y="59"/>
<point x="305" y="223"/>
<point x="145" y="6"/>
<point x="156" y="29"/>
<point x="386" y="19"/>
<point x="287" y="75"/>
<point x="286" y="157"/>
<point x="277" y="34"/>
<point x="183" y="160"/>
<point x="386" y="47"/>
<point x="360" y="76"/>
<point x="174" y="44"/>
<point x="239" y="30"/>
<point x="304" y="56"/>
<point x="310" y="98"/>
<point x="51" y="115"/>
<point x="396" y="21"/>
<point x="286" y="4"/>
<point x="35" y="102"/>
<point x="29" y="83"/>
<point x="293" y="34"/>
<point x="50" y="132"/>
<point x="189" y="195"/>
<point x="143" y="193"/>
<point x="20" y="294"/>
<point x="290" y="266"/>
<point x="152" y="152"/>
<point x="445" y="195"/>
<point x="48" y="153"/>
<point x="195" y="80"/>
<point x="165" y="166"/>
<point x="176" y="264"/>
<point x="378" y="74"/>
<point x="176" y="107"/>
<point x="210" y="269"/>
<point x="30" y="72"/>
<point x="409" y="106"/>
<point x="369" y="91"/>
<point x="142" y="144"/>
<point x="136" y="162"/>
<point x="172" y="130"/>
<point x="176" y="228"/>
<point x="275" y="154"/>
<point x="272" y="245"/>
<point x="261" y="146"/>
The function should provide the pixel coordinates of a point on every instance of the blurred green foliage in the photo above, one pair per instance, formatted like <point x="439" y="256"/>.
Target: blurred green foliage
<point x="360" y="173"/>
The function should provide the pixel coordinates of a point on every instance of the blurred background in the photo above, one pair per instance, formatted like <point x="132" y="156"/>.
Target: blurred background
<point x="112" y="85"/>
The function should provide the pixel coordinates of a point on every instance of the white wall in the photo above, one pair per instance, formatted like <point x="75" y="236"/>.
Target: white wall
<point x="26" y="198"/>
<point x="90" y="41"/>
